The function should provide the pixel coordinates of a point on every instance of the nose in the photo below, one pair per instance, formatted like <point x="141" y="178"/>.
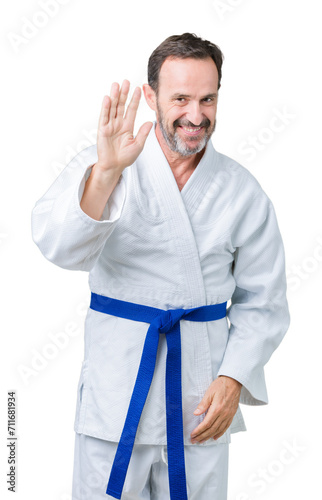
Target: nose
<point x="194" y="113"/>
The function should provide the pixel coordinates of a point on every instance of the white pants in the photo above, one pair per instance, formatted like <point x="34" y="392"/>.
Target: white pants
<point x="147" y="475"/>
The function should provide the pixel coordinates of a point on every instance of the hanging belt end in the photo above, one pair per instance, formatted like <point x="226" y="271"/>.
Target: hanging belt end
<point x="113" y="493"/>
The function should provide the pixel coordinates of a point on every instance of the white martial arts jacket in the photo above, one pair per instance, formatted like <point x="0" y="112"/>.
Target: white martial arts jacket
<point x="216" y="240"/>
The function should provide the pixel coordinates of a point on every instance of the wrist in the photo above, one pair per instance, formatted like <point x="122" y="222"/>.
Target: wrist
<point x="232" y="381"/>
<point x="103" y="176"/>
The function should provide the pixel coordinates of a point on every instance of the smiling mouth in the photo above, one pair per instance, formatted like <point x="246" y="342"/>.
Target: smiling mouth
<point x="191" y="130"/>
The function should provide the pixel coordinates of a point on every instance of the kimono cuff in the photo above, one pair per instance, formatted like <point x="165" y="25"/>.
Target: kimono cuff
<point x="113" y="207"/>
<point x="253" y="391"/>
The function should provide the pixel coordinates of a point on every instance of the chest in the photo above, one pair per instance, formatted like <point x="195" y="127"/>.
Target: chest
<point x="182" y="178"/>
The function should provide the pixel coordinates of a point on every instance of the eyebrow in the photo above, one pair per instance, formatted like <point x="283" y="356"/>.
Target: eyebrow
<point x="175" y="96"/>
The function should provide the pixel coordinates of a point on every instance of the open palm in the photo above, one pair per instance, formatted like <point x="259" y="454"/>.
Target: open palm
<point x="117" y="148"/>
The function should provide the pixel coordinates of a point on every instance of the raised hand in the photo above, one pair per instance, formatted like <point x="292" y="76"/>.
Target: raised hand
<point x="117" y="148"/>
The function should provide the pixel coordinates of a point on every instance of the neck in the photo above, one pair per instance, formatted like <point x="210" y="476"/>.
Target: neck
<point x="181" y="166"/>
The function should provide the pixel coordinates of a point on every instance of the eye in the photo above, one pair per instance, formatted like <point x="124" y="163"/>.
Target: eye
<point x="208" y="99"/>
<point x="180" y="99"/>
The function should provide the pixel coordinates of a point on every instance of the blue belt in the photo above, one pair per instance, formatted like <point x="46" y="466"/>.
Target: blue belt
<point x="161" y="321"/>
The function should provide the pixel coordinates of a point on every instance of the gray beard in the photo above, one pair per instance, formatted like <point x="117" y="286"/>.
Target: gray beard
<point x="176" y="144"/>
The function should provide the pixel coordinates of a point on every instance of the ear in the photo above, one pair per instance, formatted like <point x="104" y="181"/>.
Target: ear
<point x="150" y="96"/>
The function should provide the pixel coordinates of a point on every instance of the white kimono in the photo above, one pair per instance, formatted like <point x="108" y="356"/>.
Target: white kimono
<point x="216" y="240"/>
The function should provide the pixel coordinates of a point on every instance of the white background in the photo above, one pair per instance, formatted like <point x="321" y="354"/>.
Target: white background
<point x="53" y="80"/>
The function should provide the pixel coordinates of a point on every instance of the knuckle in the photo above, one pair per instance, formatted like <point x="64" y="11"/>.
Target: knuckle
<point x="221" y="408"/>
<point x="207" y="425"/>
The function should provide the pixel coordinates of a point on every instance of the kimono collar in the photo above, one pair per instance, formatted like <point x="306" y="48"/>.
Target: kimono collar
<point x="199" y="180"/>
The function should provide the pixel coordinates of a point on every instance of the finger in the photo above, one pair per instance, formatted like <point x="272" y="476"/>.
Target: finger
<point x="143" y="133"/>
<point x="122" y="98"/>
<point x="203" y="406"/>
<point x="209" y="419"/>
<point x="205" y="435"/>
<point x="213" y="420"/>
<point x="132" y="107"/>
<point x="205" y="425"/>
<point x="218" y="429"/>
<point x="215" y="429"/>
<point x="221" y="431"/>
<point x="114" y="99"/>
<point x="105" y="110"/>
<point x="205" y="402"/>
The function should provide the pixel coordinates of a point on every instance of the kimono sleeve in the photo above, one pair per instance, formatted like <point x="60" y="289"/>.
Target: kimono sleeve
<point x="65" y="234"/>
<point x="258" y="315"/>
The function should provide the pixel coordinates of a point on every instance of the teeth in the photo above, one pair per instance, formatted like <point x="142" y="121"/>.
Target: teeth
<point x="192" y="129"/>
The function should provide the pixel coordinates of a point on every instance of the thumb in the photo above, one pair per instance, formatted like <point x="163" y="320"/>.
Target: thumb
<point x="143" y="133"/>
<point x="203" y="405"/>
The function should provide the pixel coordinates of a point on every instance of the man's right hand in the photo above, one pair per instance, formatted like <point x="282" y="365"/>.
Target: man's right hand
<point x="117" y="148"/>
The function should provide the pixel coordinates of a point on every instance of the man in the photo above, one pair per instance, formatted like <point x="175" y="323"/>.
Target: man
<point x="169" y="230"/>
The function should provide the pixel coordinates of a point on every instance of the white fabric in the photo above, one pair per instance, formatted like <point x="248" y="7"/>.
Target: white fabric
<point x="147" y="475"/>
<point x="216" y="239"/>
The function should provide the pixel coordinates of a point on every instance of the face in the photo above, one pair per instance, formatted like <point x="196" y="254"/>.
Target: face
<point x="186" y="103"/>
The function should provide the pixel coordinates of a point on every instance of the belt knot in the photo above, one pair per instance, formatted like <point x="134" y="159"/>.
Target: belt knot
<point x="169" y="318"/>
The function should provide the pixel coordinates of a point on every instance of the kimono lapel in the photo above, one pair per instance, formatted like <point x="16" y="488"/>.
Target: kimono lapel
<point x="194" y="189"/>
<point x="178" y="207"/>
<point x="201" y="179"/>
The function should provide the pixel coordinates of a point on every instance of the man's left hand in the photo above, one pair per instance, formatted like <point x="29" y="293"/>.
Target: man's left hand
<point x="221" y="400"/>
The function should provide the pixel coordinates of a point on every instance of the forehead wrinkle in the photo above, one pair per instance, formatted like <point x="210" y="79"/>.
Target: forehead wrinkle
<point x="188" y="74"/>
<point x="188" y="89"/>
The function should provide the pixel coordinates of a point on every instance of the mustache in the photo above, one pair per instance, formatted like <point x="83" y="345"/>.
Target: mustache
<point x="186" y="123"/>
